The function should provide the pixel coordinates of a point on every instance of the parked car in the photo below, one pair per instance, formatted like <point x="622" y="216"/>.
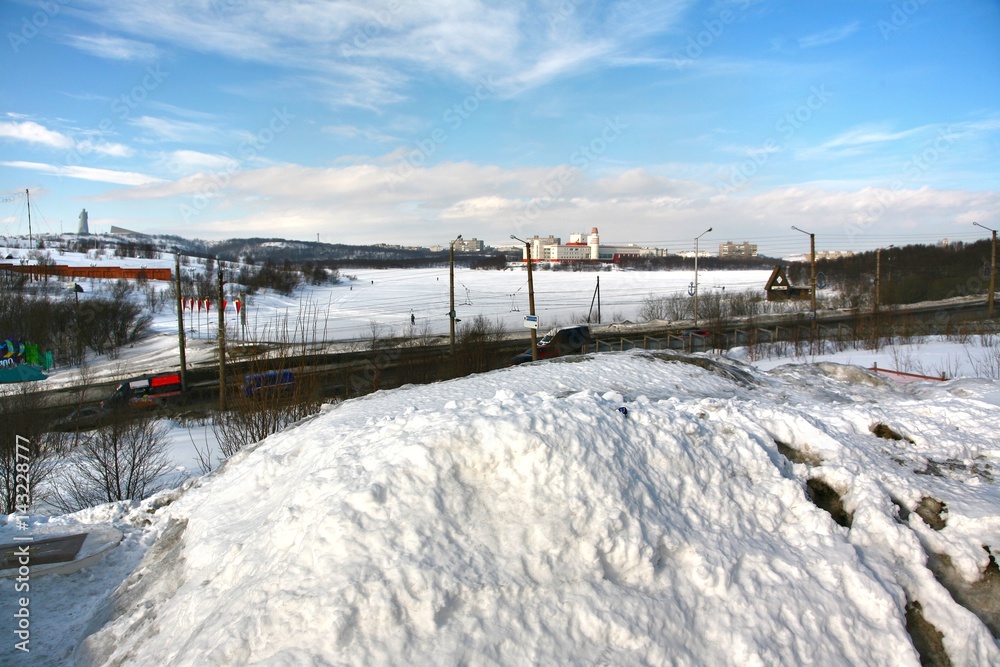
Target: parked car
<point x="556" y="343"/>
<point x="84" y="418"/>
<point x="696" y="332"/>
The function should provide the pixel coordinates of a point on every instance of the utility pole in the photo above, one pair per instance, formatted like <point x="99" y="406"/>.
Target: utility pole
<point x="531" y="299"/>
<point x="878" y="278"/>
<point x="993" y="271"/>
<point x="451" y="291"/>
<point x="812" y="274"/>
<point x="27" y="203"/>
<point x="596" y="298"/>
<point x="222" y="344"/>
<point x="696" y="274"/>
<point x="180" y="319"/>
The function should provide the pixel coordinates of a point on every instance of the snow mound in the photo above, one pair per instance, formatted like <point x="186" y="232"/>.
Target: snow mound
<point x="518" y="517"/>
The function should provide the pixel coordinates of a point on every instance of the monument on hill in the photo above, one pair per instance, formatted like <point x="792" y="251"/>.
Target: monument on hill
<point x="84" y="228"/>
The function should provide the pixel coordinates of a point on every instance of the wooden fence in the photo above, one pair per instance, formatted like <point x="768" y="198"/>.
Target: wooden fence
<point x="37" y="271"/>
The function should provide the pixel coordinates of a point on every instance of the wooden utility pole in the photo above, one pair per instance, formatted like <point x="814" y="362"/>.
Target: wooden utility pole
<point x="812" y="271"/>
<point x="180" y="320"/>
<point x="993" y="271"/>
<point x="696" y="273"/>
<point x="596" y="298"/>
<point x="531" y="306"/>
<point x="812" y="277"/>
<point x="451" y="287"/>
<point x="878" y="279"/>
<point x="222" y="344"/>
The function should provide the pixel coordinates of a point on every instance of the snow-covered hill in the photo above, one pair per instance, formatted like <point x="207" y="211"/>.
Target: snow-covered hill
<point x="520" y="517"/>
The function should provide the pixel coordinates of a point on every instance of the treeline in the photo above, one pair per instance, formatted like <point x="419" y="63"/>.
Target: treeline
<point x="909" y="273"/>
<point x="69" y="326"/>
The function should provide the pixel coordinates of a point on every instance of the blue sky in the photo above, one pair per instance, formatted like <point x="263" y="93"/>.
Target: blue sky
<point x="867" y="123"/>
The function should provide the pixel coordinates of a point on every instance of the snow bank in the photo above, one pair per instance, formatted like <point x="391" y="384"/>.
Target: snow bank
<point x="518" y="517"/>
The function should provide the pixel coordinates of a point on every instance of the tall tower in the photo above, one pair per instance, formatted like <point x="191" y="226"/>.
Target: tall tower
<point x="594" y="241"/>
<point x="84" y="228"/>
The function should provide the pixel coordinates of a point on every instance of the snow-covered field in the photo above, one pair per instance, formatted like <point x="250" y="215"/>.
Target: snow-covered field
<point x="518" y="517"/>
<point x="388" y="297"/>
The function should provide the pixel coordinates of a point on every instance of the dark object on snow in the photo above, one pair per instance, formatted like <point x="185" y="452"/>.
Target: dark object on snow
<point x="20" y="373"/>
<point x="623" y="410"/>
<point x="39" y="552"/>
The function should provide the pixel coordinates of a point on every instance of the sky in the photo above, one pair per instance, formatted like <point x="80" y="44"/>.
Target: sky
<point x="865" y="123"/>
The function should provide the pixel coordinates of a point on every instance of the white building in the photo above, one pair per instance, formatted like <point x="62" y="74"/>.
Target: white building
<point x="583" y="247"/>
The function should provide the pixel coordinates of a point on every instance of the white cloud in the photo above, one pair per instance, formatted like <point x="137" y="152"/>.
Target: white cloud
<point x="355" y="53"/>
<point x="165" y="129"/>
<point x="830" y="36"/>
<point x="186" y="160"/>
<point x="109" y="149"/>
<point x="362" y="202"/>
<point x="34" y="133"/>
<point x="115" y="48"/>
<point x="87" y="173"/>
<point x="352" y="132"/>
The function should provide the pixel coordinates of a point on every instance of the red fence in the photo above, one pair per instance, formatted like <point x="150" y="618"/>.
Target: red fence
<point x="106" y="272"/>
<point x="904" y="378"/>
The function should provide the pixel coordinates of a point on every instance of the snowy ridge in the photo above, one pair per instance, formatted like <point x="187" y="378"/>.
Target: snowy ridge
<point x="517" y="517"/>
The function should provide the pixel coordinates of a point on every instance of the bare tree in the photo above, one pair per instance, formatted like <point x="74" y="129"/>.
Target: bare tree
<point x="122" y="460"/>
<point x="27" y="455"/>
<point x="478" y="345"/>
<point x="274" y="391"/>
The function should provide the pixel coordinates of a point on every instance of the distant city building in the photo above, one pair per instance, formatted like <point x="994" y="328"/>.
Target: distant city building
<point x="584" y="247"/>
<point x="834" y="254"/>
<point x="121" y="231"/>
<point x="84" y="225"/>
<point x="469" y="245"/>
<point x="729" y="250"/>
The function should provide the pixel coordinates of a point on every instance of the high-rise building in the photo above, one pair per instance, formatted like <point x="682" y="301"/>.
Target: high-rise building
<point x="730" y="249"/>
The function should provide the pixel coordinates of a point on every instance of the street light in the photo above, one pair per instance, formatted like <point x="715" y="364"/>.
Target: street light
<point x="451" y="281"/>
<point x="531" y="299"/>
<point x="812" y="262"/>
<point x="696" y="274"/>
<point x="993" y="270"/>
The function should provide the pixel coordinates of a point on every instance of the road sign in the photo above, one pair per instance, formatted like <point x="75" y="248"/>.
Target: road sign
<point x="531" y="321"/>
